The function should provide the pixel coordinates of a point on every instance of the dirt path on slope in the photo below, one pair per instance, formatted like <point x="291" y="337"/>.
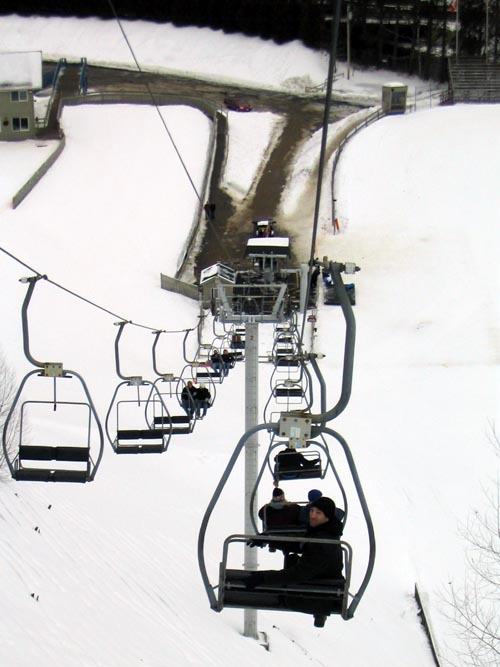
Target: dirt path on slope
<point x="226" y="237"/>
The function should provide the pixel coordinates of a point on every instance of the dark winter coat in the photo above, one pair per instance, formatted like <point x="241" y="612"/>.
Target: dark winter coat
<point x="290" y="460"/>
<point x="279" y="515"/>
<point x="186" y="393"/>
<point x="228" y="358"/>
<point x="318" y="560"/>
<point x="202" y="394"/>
<point x="215" y="359"/>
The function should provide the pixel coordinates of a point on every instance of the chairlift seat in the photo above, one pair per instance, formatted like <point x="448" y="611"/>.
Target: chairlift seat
<point x="139" y="434"/>
<point x="208" y="374"/>
<point x="139" y="448"/>
<point x="173" y="419"/>
<point x="287" y="467"/>
<point x="47" y="475"/>
<point x="289" y="392"/>
<point x="53" y="453"/>
<point x="285" y="363"/>
<point x="319" y="596"/>
<point x="303" y="473"/>
<point x="127" y="441"/>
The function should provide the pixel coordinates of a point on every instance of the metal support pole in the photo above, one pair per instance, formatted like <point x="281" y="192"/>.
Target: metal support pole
<point x="487" y="31"/>
<point x="251" y="455"/>
<point x="348" y="39"/>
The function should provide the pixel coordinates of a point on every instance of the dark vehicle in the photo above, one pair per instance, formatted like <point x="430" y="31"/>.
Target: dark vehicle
<point x="234" y="104"/>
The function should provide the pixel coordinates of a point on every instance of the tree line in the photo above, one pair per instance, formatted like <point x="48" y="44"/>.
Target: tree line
<point x="412" y="36"/>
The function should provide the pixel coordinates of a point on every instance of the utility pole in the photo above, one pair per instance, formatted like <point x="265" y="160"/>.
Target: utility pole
<point x="348" y="39"/>
<point x="251" y="454"/>
<point x="487" y="30"/>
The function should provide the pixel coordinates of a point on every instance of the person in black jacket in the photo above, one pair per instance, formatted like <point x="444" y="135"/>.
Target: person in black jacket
<point x="279" y="513"/>
<point x="318" y="561"/>
<point x="188" y="398"/>
<point x="202" y="401"/>
<point x="228" y="361"/>
<point x="290" y="463"/>
<point x="216" y="362"/>
<point x="281" y="517"/>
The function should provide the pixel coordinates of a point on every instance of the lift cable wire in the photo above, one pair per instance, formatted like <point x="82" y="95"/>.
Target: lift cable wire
<point x="153" y="99"/>
<point x="42" y="276"/>
<point x="324" y="136"/>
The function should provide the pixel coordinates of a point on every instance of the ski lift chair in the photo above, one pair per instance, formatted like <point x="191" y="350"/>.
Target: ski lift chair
<point x="53" y="462"/>
<point x="291" y="464"/>
<point x="177" y="421"/>
<point x="44" y="462"/>
<point x="318" y="597"/>
<point x="143" y="438"/>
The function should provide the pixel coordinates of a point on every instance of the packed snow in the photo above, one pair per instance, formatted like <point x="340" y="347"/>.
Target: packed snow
<point x="106" y="573"/>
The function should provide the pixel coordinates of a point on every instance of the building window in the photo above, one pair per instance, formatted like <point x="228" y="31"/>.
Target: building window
<point x="19" y="96"/>
<point x="20" y="124"/>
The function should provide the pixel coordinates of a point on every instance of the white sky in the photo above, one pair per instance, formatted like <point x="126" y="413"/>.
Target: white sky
<point x="113" y="563"/>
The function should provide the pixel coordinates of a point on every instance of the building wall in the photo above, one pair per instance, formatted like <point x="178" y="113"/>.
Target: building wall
<point x="17" y="120"/>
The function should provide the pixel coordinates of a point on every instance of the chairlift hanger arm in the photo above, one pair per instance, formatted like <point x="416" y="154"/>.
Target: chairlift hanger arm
<point x="32" y="281"/>
<point x="184" y="352"/>
<point x="120" y="326"/>
<point x="157" y="336"/>
<point x="206" y="518"/>
<point x="350" y="339"/>
<point x="366" y="513"/>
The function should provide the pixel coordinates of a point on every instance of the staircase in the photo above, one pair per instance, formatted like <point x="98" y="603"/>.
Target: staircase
<point x="473" y="80"/>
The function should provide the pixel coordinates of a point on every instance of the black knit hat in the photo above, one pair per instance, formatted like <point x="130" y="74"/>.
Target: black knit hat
<point x="326" y="505"/>
<point x="277" y="493"/>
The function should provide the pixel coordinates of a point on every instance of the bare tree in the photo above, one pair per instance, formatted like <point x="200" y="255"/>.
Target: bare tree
<point x="474" y="609"/>
<point x="7" y="393"/>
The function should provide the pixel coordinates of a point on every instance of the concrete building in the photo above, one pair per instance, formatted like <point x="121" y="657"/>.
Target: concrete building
<point x="20" y="76"/>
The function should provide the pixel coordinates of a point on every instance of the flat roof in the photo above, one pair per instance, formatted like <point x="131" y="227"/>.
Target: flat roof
<point x="273" y="241"/>
<point x="278" y="246"/>
<point x="21" y="70"/>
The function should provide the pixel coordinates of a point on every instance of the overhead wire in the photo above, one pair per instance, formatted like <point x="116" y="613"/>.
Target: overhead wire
<point x="43" y="276"/>
<point x="129" y="45"/>
<point x="155" y="104"/>
<point x="324" y="136"/>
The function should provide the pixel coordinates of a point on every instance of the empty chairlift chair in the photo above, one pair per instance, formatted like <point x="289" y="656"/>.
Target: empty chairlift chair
<point x="127" y="426"/>
<point x="61" y="398"/>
